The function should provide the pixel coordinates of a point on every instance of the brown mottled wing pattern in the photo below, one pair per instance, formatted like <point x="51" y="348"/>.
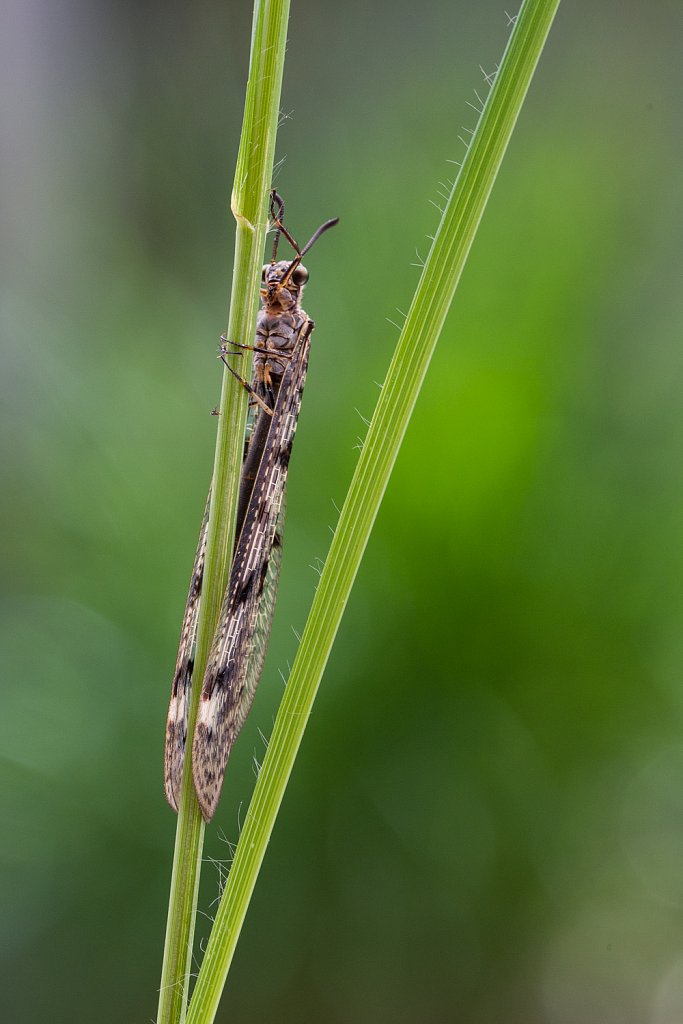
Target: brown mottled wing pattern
<point x="178" y="709"/>
<point x="266" y="610"/>
<point x="237" y="653"/>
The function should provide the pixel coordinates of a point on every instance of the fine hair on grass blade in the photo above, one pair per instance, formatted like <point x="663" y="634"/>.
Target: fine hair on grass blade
<point x="464" y="205"/>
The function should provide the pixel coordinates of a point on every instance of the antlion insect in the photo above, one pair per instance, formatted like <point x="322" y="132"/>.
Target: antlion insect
<point x="281" y="349"/>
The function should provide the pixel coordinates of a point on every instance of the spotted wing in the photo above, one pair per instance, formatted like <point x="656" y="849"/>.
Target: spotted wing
<point x="178" y="709"/>
<point x="266" y="610"/>
<point x="238" y="650"/>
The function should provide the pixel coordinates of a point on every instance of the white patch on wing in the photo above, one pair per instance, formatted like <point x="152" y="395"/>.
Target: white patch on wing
<point x="207" y="711"/>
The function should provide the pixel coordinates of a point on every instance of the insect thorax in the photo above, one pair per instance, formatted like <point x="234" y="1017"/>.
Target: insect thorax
<point x="276" y="332"/>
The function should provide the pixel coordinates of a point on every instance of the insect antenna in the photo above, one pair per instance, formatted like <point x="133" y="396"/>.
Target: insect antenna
<point x="300" y="253"/>
<point x="276" y="198"/>
<point x="276" y="217"/>
<point x="314" y="238"/>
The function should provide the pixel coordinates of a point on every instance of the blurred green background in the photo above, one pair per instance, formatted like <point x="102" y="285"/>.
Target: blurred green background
<point x="486" y="822"/>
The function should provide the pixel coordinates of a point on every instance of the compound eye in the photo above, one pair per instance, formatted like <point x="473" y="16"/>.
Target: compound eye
<point x="263" y="273"/>
<point x="300" y="276"/>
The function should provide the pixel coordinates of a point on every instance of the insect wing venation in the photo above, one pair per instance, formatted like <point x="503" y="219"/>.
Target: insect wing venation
<point x="178" y="709"/>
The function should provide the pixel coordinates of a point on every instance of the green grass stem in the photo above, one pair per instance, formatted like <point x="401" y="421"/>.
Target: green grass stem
<point x="253" y="178"/>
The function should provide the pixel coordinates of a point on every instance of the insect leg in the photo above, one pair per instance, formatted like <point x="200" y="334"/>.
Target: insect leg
<point x="247" y="386"/>
<point x="280" y="353"/>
